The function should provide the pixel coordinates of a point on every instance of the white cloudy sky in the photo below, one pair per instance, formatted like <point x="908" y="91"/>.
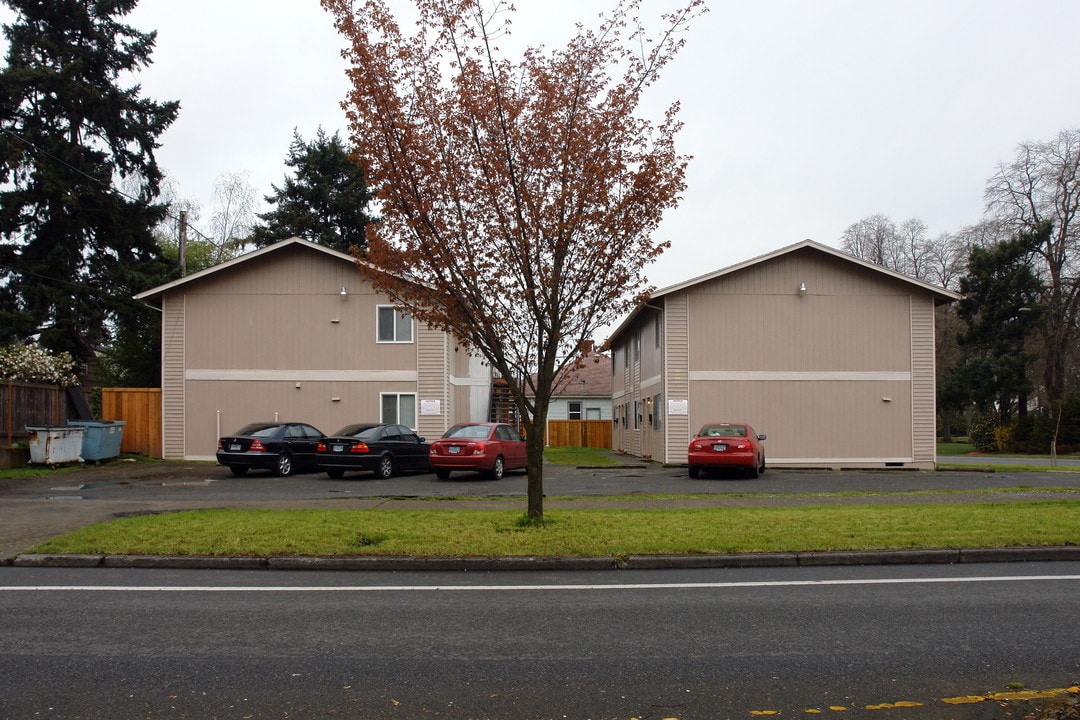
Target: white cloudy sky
<point x="803" y="116"/>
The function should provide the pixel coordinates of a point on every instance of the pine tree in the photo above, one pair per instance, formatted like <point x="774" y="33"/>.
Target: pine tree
<point x="73" y="247"/>
<point x="326" y="201"/>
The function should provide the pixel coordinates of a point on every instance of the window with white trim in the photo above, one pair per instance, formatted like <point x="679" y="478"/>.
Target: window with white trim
<point x="398" y="409"/>
<point x="573" y="410"/>
<point x="395" y="326"/>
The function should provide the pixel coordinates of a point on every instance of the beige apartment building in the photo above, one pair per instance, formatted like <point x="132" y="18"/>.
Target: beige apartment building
<point x="293" y="332"/>
<point x="829" y="356"/>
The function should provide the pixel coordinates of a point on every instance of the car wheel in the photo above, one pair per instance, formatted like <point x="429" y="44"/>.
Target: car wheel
<point x="385" y="471"/>
<point x="695" y="471"/>
<point x="238" y="470"/>
<point x="753" y="471"/>
<point x="498" y="469"/>
<point x="284" y="465"/>
<point x="761" y="468"/>
<point x="336" y="473"/>
<point x="442" y="474"/>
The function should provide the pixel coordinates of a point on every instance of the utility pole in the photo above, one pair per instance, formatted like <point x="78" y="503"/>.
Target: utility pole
<point x="183" y="242"/>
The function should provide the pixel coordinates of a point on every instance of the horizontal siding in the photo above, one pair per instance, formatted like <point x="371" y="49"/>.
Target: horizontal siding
<point x="173" y="358"/>
<point x="923" y="387"/>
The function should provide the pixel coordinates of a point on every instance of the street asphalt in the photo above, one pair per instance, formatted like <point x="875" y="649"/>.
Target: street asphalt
<point x="36" y="508"/>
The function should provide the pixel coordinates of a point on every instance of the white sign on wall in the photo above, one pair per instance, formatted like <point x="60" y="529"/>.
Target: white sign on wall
<point x="678" y="407"/>
<point x="431" y="407"/>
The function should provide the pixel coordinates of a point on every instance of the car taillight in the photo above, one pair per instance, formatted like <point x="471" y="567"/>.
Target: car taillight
<point x="220" y="446"/>
<point x="479" y="449"/>
<point x="321" y="447"/>
<point x="256" y="446"/>
<point x="359" y="448"/>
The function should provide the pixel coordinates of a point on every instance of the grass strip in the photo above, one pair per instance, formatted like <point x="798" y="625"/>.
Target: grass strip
<point x="577" y="533"/>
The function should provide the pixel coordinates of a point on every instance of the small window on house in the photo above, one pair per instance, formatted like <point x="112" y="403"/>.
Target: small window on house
<point x="399" y="409"/>
<point x="659" y="331"/>
<point x="573" y="410"/>
<point x="395" y="326"/>
<point x="637" y="414"/>
<point x="658" y="423"/>
<point x="637" y="346"/>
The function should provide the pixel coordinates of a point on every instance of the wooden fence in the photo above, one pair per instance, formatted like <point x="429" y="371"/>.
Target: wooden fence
<point x="140" y="409"/>
<point x="579" y="433"/>
<point x="23" y="404"/>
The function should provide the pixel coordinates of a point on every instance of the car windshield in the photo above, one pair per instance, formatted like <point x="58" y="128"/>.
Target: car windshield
<point x="468" y="431"/>
<point x="258" y="430"/>
<point x="723" y="431"/>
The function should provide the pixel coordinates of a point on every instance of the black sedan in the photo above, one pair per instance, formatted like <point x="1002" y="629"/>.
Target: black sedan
<point x="380" y="448"/>
<point x="281" y="447"/>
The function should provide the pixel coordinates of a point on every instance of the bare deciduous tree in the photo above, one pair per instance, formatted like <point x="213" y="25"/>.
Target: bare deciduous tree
<point x="232" y="214"/>
<point x="519" y="199"/>
<point x="1042" y="185"/>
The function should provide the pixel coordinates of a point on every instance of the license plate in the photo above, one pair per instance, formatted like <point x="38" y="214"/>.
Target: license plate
<point x="339" y="448"/>
<point x="720" y="447"/>
<point x="454" y="449"/>
<point x="235" y="447"/>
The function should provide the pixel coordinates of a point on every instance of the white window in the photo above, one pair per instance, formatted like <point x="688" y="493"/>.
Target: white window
<point x="395" y="326"/>
<point x="573" y="410"/>
<point x="398" y="409"/>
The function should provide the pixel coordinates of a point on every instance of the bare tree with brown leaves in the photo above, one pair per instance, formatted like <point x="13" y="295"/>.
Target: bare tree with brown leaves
<point x="519" y="198"/>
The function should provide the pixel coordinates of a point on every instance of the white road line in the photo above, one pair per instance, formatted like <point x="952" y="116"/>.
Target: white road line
<point x="521" y="588"/>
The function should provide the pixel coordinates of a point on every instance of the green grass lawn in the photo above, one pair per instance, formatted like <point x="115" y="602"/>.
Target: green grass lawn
<point x="578" y="456"/>
<point x="577" y="533"/>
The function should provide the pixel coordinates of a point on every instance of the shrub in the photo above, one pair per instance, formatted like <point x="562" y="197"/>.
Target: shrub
<point x="983" y="432"/>
<point x="34" y="364"/>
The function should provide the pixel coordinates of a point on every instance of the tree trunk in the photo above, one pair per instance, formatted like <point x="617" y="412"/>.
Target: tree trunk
<point x="534" y="443"/>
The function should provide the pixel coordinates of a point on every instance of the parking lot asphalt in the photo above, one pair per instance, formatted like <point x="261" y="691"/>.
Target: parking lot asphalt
<point x="34" y="509"/>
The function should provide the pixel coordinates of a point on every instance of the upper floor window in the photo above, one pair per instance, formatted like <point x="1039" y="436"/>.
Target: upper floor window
<point x="395" y="326"/>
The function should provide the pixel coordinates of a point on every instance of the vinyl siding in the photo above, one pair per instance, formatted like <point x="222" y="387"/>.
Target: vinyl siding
<point x="923" y="387"/>
<point x="173" y="401"/>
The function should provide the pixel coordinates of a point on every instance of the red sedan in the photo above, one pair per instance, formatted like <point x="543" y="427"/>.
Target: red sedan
<point x="490" y="448"/>
<point x="726" y="445"/>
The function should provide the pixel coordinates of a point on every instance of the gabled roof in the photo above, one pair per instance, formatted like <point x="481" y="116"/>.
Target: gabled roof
<point x="246" y="257"/>
<point x="941" y="296"/>
<point x="592" y="379"/>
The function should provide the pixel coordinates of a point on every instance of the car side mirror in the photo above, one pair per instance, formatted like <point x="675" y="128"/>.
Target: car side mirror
<point x="421" y="440"/>
<point x="760" y="437"/>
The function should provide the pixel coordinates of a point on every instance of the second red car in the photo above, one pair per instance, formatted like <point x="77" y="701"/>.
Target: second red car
<point x="490" y="448"/>
<point x="726" y="445"/>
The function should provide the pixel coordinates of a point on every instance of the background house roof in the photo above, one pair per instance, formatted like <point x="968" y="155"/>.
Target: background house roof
<point x="592" y="379"/>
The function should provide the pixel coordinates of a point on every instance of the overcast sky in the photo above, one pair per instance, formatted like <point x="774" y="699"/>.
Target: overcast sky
<point x="803" y="116"/>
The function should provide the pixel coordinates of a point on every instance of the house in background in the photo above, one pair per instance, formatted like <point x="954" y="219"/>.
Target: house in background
<point x="583" y="393"/>
<point x="293" y="332"/>
<point x="831" y="357"/>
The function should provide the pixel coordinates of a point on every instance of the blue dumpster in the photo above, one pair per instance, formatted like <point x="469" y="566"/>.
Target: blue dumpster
<point x="55" y="444"/>
<point x="101" y="439"/>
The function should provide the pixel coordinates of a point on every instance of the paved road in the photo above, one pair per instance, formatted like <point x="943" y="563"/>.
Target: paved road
<point x="866" y="642"/>
<point x="35" y="509"/>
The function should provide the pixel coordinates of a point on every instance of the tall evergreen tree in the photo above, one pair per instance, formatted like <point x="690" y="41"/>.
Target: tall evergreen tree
<point x="326" y="201"/>
<point x="1001" y="312"/>
<point x="74" y="248"/>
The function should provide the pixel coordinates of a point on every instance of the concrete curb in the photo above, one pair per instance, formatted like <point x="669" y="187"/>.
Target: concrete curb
<point x="632" y="562"/>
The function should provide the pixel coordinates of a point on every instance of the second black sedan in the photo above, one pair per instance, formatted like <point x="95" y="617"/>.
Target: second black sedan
<point x="281" y="447"/>
<point x="380" y="448"/>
